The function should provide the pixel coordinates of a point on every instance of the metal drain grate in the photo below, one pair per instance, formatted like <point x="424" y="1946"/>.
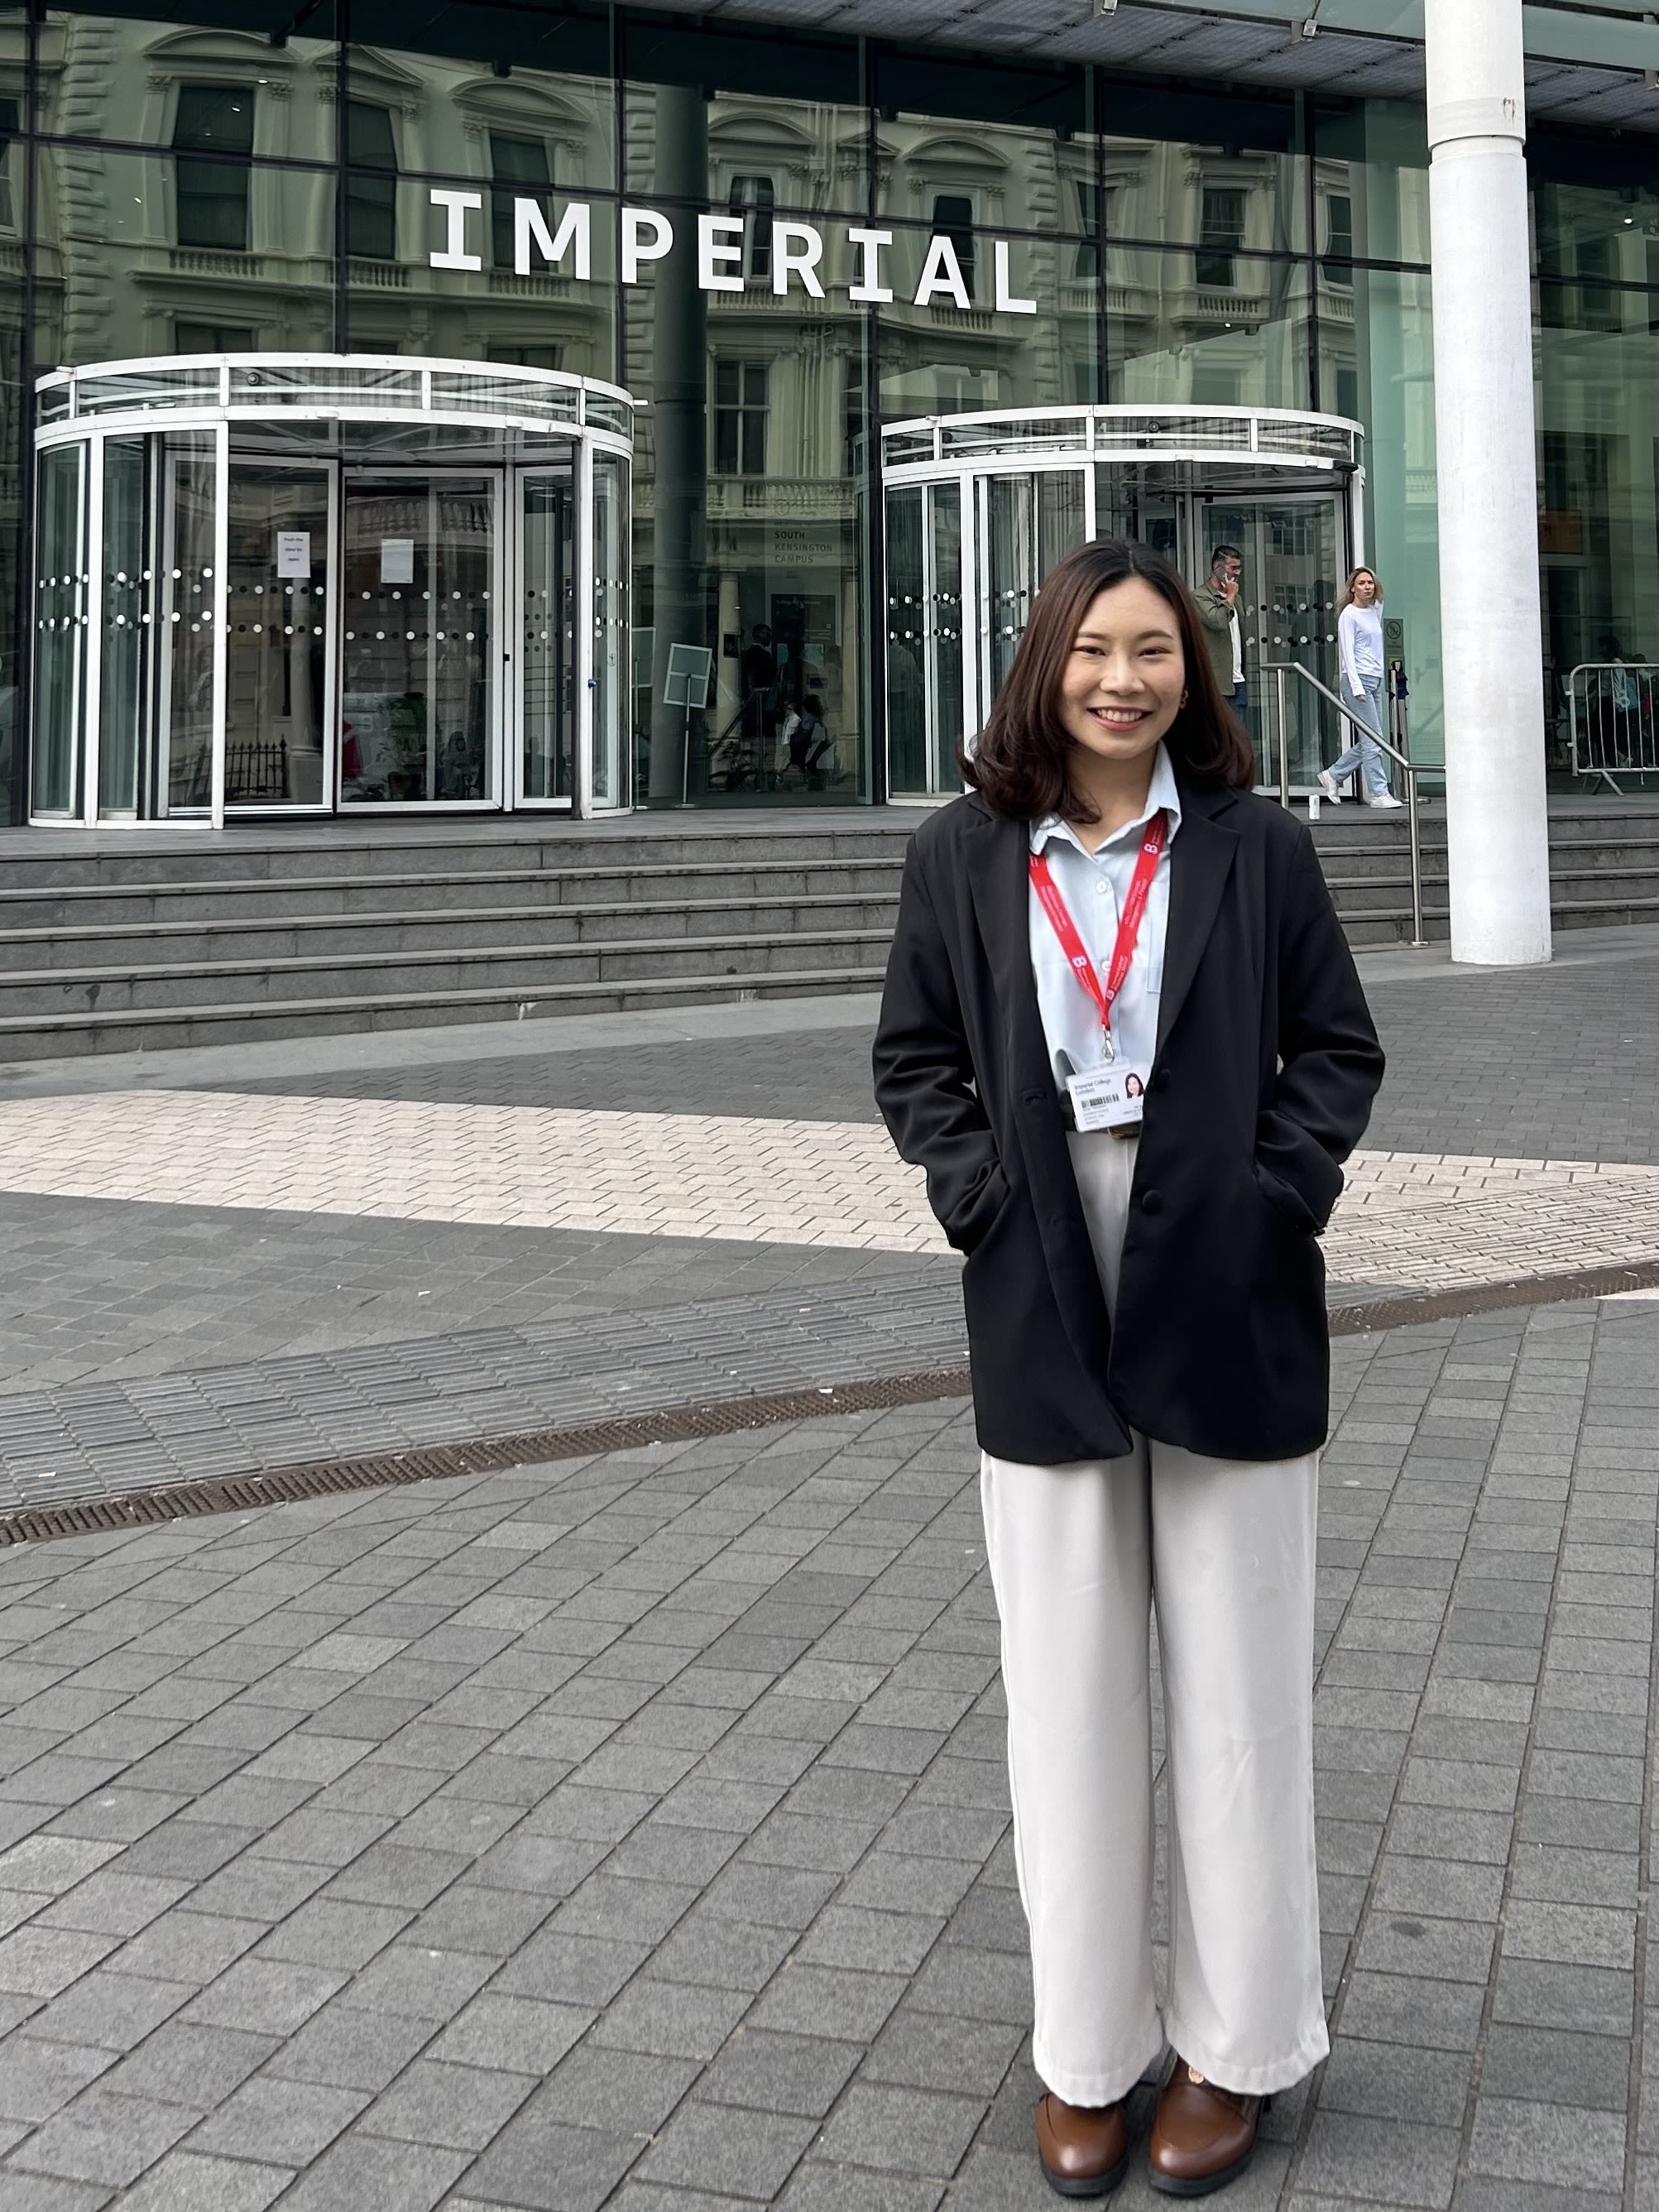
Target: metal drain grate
<point x="279" y="1486"/>
<point x="238" y="1493"/>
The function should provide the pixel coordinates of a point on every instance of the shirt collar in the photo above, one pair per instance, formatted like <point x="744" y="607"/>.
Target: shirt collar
<point x="1161" y="791"/>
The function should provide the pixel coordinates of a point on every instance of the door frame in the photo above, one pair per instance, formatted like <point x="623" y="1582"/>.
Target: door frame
<point x="576" y="470"/>
<point x="500" y="664"/>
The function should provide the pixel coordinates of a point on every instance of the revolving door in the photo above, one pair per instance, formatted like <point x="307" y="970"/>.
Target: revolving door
<point x="299" y="584"/>
<point x="980" y="508"/>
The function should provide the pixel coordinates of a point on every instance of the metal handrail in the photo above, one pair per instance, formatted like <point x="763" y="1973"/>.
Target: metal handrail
<point x="1279" y="669"/>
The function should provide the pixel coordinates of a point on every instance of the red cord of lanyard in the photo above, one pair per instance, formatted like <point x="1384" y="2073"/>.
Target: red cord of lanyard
<point x="1129" y="928"/>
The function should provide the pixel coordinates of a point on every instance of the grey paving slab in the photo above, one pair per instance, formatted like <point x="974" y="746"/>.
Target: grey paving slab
<point x="634" y="1832"/>
<point x="117" y="1438"/>
<point x="146" y="1343"/>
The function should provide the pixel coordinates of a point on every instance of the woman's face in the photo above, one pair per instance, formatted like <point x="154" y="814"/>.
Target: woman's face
<point x="1123" y="682"/>
<point x="1364" y="588"/>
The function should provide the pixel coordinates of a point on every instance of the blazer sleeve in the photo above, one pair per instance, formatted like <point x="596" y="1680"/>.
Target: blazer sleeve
<point x="924" y="1071"/>
<point x="1331" y="1062"/>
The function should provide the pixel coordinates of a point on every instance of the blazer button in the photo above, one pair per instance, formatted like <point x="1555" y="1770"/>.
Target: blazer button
<point x="1151" y="1201"/>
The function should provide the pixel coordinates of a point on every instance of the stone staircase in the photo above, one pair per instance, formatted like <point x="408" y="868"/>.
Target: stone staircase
<point x="154" y="939"/>
<point x="1604" y="867"/>
<point x="152" y="943"/>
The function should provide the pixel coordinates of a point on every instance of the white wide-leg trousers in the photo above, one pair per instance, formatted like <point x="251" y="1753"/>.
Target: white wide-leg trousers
<point x="1225" y="1550"/>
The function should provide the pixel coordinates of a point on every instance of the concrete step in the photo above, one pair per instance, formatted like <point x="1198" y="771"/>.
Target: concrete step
<point x="36" y="860"/>
<point x="514" y="971"/>
<point x="38" y="1037"/>
<point x="284" y="898"/>
<point x="352" y="941"/>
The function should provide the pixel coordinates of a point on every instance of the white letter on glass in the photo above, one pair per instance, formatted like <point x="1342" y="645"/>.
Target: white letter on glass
<point x="941" y="272"/>
<point x="636" y="221"/>
<point x="454" y="255"/>
<point x="803" y="265"/>
<point x="711" y="248"/>
<point x="1006" y="303"/>
<point x="576" y="231"/>
<point x="869" y="287"/>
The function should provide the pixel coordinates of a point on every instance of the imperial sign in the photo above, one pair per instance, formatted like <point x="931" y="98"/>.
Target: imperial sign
<point x="648" y="235"/>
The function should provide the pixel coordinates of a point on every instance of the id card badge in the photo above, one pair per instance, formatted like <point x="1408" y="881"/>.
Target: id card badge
<point x="1108" y="1097"/>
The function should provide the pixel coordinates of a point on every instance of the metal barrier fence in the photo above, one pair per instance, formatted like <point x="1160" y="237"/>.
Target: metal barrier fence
<point x="1612" y="704"/>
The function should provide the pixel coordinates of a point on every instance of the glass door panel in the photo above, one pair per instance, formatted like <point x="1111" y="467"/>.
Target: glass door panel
<point x="1299" y="558"/>
<point x="186" y="620"/>
<point x="276" y="678"/>
<point x="60" y="603"/>
<point x="1026" y="524"/>
<point x="418" y="655"/>
<point x="1008" y="572"/>
<point x="547" y="637"/>
<point x="924" y="669"/>
<point x="1062" y="519"/>
<point x="944" y="624"/>
<point x="127" y="627"/>
<point x="1126" y="508"/>
<point x="1217" y="523"/>
<point x="906" y="650"/>
<point x="611" y="629"/>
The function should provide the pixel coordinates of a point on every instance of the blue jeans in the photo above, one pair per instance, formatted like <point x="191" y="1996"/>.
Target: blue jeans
<point x="1365" y="753"/>
<point x="1241" y="701"/>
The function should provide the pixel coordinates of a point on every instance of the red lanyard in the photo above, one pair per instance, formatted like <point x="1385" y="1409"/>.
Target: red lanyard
<point x="1128" y="928"/>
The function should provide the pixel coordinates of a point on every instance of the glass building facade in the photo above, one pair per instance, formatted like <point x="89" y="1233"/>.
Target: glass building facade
<point x="691" y="550"/>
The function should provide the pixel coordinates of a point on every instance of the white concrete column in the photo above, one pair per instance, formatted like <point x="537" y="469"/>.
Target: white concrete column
<point x="1486" y="475"/>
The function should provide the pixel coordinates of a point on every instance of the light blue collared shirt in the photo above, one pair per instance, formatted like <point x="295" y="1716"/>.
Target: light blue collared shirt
<point x="1094" y="886"/>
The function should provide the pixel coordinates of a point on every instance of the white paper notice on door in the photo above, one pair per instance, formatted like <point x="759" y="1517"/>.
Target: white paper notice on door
<point x="396" y="560"/>
<point x="293" y="553"/>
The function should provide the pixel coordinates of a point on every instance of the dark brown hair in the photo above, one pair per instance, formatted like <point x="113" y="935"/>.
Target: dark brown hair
<point x="1022" y="762"/>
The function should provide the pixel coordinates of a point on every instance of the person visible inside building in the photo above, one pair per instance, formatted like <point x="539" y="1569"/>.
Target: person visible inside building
<point x="1147" y="1337"/>
<point x="810" y="748"/>
<point x="1359" y="648"/>
<point x="757" y="678"/>
<point x="1218" y="610"/>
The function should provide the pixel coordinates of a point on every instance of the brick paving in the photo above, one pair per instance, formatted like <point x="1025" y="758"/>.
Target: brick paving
<point x="633" y="1832"/>
<point x="116" y="1437"/>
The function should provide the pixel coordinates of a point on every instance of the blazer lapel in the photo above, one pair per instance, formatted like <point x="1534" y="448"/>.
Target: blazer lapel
<point x="999" y="875"/>
<point x="1000" y="878"/>
<point x="1201" y="860"/>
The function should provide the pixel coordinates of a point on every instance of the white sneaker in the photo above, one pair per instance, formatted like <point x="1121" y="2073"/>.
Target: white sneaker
<point x="1385" y="799"/>
<point x="1327" y="785"/>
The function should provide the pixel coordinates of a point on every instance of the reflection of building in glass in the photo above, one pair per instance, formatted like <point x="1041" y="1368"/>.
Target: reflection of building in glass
<point x="204" y="188"/>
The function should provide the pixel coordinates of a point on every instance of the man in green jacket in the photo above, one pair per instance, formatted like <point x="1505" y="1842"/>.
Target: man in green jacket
<point x="1218" y="610"/>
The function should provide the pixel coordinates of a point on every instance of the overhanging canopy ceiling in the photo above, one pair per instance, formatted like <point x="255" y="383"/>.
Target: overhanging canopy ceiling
<point x="1236" y="41"/>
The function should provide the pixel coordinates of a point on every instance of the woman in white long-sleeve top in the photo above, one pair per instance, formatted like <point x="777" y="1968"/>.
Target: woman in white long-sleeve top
<point x="1359" y="642"/>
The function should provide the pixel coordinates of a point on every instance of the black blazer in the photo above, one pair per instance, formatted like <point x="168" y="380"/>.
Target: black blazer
<point x="1266" y="1065"/>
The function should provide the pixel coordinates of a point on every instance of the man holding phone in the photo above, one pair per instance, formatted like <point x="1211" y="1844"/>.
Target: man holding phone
<point x="1218" y="610"/>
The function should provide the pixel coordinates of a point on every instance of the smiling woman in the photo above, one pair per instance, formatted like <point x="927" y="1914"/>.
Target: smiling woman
<point x="1123" y="1034"/>
<point x="1111" y="665"/>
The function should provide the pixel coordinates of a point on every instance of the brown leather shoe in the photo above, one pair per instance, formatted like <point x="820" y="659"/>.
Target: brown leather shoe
<point x="1085" y="2149"/>
<point x="1203" y="2137"/>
